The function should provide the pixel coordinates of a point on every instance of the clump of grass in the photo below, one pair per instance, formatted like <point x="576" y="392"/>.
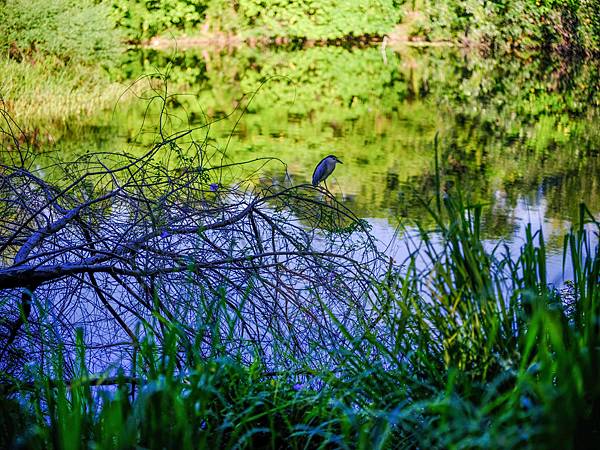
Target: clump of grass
<point x="46" y="94"/>
<point x="215" y="403"/>
<point x="493" y="355"/>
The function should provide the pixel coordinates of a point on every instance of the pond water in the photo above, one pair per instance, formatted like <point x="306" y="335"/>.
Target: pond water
<point x="521" y="135"/>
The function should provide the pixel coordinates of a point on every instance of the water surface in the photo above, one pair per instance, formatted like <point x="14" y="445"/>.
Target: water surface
<point x="520" y="135"/>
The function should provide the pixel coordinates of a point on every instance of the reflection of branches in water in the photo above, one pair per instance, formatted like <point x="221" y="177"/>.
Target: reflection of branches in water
<point x="112" y="241"/>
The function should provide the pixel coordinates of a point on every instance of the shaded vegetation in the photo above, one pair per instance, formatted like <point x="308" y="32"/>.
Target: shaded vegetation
<point x="556" y="25"/>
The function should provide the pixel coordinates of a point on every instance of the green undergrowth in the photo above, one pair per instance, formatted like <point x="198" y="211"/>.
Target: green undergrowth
<point x="475" y="350"/>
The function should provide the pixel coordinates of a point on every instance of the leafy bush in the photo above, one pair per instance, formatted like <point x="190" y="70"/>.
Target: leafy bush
<point x="588" y="15"/>
<point x="328" y="19"/>
<point x="331" y="19"/>
<point x="517" y="24"/>
<point x="143" y="19"/>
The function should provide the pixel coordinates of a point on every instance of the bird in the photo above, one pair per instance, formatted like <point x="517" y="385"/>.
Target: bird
<point x="324" y="169"/>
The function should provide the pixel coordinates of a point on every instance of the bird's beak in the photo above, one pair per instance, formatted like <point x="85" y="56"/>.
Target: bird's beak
<point x="339" y="161"/>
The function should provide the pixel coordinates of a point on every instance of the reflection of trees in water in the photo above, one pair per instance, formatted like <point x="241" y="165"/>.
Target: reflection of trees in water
<point x="112" y="241"/>
<point x="517" y="129"/>
<point x="506" y="124"/>
<point x="342" y="83"/>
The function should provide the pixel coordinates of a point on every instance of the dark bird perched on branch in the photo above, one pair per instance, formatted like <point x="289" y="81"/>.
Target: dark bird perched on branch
<point x="324" y="169"/>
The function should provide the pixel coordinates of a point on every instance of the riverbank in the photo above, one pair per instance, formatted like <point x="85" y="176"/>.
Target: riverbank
<point x="218" y="41"/>
<point x="45" y="95"/>
<point x="55" y="64"/>
<point x="525" y="26"/>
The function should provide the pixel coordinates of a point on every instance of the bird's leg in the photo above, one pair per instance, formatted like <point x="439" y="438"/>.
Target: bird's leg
<point x="328" y="192"/>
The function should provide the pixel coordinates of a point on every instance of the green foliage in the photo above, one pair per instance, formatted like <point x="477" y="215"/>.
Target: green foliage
<point x="499" y="25"/>
<point x="322" y="20"/>
<point x="70" y="30"/>
<point x="522" y="24"/>
<point x="142" y="19"/>
<point x="330" y="19"/>
<point x="588" y="15"/>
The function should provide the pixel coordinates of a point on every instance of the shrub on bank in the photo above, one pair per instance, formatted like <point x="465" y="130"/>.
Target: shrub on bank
<point x="333" y="19"/>
<point x="70" y="30"/>
<point x="142" y="19"/>
<point x="522" y="24"/>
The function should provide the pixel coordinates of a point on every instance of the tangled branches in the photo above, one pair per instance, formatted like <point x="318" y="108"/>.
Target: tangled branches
<point x="121" y="246"/>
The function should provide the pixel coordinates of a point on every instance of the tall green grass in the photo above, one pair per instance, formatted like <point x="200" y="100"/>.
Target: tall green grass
<point x="48" y="95"/>
<point x="475" y="350"/>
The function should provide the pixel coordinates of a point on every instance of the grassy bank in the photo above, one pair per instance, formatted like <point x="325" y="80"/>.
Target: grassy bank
<point x="474" y="351"/>
<point x="55" y="60"/>
<point x="50" y="95"/>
